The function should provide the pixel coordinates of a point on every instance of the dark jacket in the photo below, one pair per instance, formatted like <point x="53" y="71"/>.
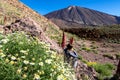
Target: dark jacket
<point x="70" y="54"/>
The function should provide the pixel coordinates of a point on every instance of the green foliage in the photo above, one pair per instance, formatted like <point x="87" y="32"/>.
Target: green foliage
<point x="104" y="70"/>
<point x="7" y="71"/>
<point x="90" y="49"/>
<point x="80" y="57"/>
<point x="1" y="36"/>
<point x="20" y="42"/>
<point x="87" y="49"/>
<point x="26" y="58"/>
<point x="17" y="10"/>
<point x="85" y="61"/>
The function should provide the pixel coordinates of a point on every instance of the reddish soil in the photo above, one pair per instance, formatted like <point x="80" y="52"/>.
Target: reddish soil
<point x="101" y="49"/>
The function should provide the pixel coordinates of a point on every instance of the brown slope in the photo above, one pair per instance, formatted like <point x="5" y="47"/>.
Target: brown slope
<point x="31" y="28"/>
<point x="14" y="9"/>
<point x="11" y="10"/>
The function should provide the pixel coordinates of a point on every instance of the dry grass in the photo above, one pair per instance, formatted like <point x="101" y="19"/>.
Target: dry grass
<point x="10" y="10"/>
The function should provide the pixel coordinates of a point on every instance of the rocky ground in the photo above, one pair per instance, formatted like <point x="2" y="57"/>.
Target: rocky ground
<point x="29" y="26"/>
<point x="95" y="51"/>
<point x="83" y="71"/>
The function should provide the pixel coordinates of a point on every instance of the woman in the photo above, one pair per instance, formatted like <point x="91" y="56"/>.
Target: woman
<point x="70" y="53"/>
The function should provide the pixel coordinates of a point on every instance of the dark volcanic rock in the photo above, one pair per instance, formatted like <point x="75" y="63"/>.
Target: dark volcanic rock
<point x="75" y="16"/>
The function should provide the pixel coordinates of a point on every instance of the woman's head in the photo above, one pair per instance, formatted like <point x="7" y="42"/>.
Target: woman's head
<point x="69" y="46"/>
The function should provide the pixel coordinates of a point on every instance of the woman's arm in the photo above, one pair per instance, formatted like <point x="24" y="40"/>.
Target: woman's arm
<point x="73" y="54"/>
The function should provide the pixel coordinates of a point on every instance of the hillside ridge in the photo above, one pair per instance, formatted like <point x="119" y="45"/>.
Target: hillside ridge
<point x="12" y="10"/>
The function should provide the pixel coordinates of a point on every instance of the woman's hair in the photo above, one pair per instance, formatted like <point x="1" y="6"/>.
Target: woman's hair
<point x="69" y="46"/>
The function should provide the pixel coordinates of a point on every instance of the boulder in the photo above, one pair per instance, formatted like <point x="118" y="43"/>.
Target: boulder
<point x="84" y="72"/>
<point x="32" y="28"/>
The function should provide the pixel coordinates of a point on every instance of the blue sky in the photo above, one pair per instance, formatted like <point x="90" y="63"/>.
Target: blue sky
<point x="46" y="6"/>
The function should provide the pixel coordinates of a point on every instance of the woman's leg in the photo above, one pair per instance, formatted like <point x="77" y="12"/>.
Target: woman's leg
<point x="75" y="64"/>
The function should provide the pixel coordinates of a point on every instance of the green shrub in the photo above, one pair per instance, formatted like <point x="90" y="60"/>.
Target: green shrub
<point x="1" y="36"/>
<point x="30" y="59"/>
<point x="86" y="49"/>
<point x="85" y="61"/>
<point x="104" y="70"/>
<point x="8" y="72"/>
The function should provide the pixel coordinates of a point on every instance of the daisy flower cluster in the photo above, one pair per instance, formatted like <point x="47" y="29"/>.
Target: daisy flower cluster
<point x="25" y="58"/>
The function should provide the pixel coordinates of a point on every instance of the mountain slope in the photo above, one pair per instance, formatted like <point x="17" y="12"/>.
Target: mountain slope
<point x="12" y="10"/>
<point x="75" y="16"/>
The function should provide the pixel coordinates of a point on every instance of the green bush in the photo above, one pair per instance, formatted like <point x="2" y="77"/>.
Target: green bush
<point x="104" y="70"/>
<point x="86" y="49"/>
<point x="8" y="72"/>
<point x="26" y="58"/>
<point x="1" y="36"/>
